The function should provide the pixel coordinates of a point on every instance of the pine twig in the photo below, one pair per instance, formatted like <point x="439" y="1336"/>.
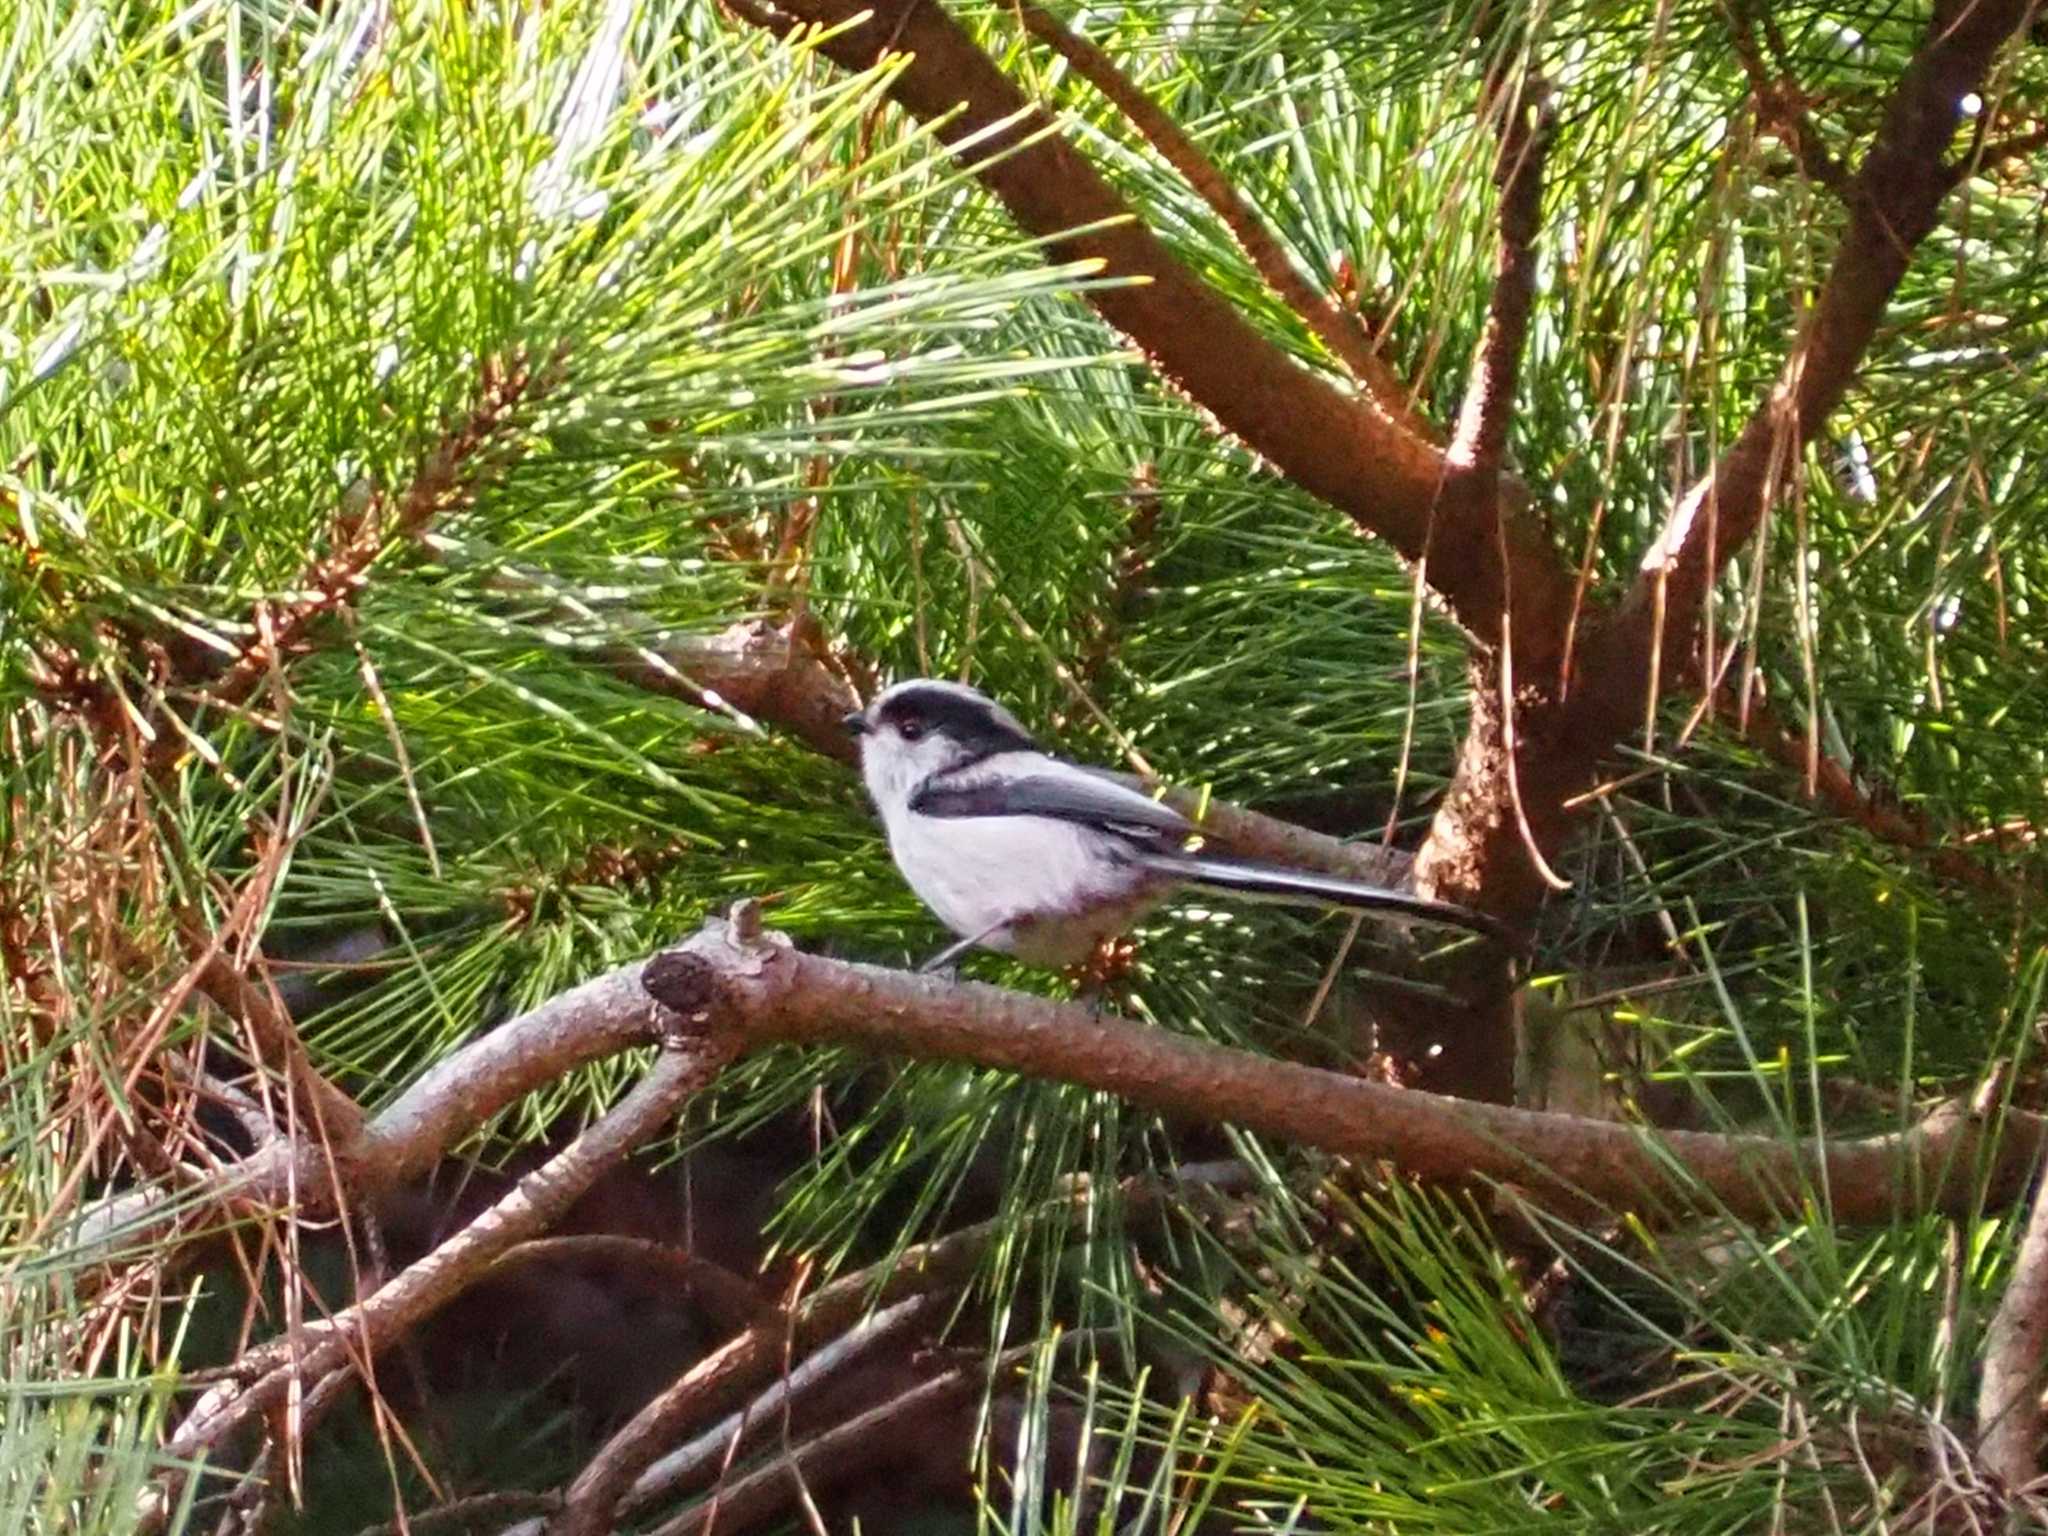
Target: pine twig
<point x="768" y="1490"/>
<point x="1826" y="783"/>
<point x="597" y="1019"/>
<point x="1781" y="105"/>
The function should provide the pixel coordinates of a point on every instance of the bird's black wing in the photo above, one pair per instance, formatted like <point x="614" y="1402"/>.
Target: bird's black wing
<point x="1060" y="791"/>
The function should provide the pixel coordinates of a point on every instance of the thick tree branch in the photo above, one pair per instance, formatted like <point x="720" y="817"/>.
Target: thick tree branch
<point x="1895" y="200"/>
<point x="770" y="993"/>
<point x="1532" y="751"/>
<point x="1345" y="449"/>
<point x="765" y="991"/>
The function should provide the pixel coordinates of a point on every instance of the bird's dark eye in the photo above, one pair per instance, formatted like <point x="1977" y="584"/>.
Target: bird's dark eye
<point x="910" y="730"/>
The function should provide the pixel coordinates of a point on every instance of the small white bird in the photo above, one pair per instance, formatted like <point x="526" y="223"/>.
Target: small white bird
<point x="1020" y="851"/>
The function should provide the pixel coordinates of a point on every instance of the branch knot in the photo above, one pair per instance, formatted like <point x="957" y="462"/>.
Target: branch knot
<point x="694" y="991"/>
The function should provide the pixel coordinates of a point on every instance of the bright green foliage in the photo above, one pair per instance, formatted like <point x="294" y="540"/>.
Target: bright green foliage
<point x="574" y="312"/>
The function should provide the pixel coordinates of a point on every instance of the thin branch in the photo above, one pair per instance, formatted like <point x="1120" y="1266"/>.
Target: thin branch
<point x="1343" y="448"/>
<point x="1781" y="105"/>
<point x="2017" y="147"/>
<point x="263" y="1014"/>
<point x="726" y="1298"/>
<point x="1347" y="337"/>
<point x="764" y="671"/>
<point x="769" y="1489"/>
<point x="2010" y="1422"/>
<point x="1826" y="783"/>
<point x="767" y="992"/>
<point x="264" y="1376"/>
<point x="723" y="1378"/>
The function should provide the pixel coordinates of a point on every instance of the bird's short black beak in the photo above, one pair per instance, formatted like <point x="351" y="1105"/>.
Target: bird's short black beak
<point x="856" y="723"/>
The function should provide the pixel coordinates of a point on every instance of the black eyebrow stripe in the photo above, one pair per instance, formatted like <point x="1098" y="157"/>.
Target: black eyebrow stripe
<point x="968" y="721"/>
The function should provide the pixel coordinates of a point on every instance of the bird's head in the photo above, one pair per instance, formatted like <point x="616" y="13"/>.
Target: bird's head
<point x="924" y="726"/>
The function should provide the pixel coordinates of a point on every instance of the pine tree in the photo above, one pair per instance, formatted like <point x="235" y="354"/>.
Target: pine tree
<point x="457" y="462"/>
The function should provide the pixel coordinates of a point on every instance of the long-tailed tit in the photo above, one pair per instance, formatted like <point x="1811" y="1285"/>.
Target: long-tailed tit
<point x="1020" y="851"/>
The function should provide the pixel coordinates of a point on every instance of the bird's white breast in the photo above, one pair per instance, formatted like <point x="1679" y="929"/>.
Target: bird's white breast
<point x="1032" y="886"/>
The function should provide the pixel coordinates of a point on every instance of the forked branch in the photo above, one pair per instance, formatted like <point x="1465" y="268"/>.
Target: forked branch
<point x="263" y="1377"/>
<point x="731" y="990"/>
<point x="1895" y="200"/>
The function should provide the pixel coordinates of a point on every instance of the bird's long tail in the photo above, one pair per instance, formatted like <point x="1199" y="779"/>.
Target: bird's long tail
<point x="1276" y="882"/>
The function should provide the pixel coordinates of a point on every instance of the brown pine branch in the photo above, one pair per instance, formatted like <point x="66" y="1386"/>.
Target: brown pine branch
<point x="1479" y="848"/>
<point x="1390" y="480"/>
<point x="1349" y="340"/>
<point x="767" y="992"/>
<point x="773" y="679"/>
<point x="1525" y="118"/>
<point x="261" y="1379"/>
<point x="461" y="1514"/>
<point x="770" y="993"/>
